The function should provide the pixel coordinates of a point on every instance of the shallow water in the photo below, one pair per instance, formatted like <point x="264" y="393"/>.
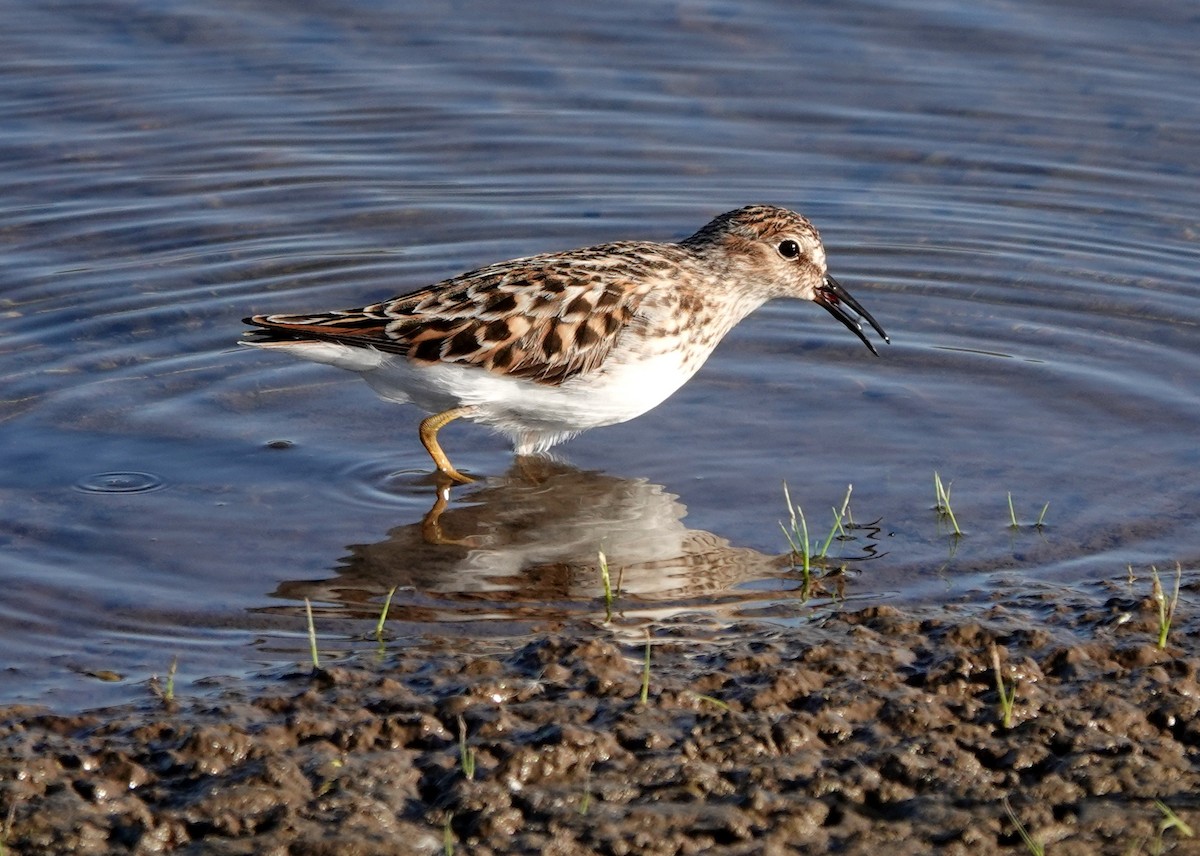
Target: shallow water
<point x="1011" y="189"/>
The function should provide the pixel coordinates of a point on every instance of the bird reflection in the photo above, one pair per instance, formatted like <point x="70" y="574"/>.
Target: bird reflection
<point x="526" y="545"/>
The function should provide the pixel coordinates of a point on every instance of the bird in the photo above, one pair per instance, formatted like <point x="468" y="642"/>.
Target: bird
<point x="544" y="347"/>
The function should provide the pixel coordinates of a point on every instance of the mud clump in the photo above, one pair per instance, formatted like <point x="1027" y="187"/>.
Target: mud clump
<point x="872" y="731"/>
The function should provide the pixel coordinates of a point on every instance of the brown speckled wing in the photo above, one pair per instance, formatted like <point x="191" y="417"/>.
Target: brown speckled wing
<point x="546" y="318"/>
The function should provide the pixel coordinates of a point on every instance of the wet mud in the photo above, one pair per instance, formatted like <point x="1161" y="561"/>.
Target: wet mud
<point x="874" y="730"/>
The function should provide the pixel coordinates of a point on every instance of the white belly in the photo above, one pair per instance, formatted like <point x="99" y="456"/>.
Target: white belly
<point x="535" y="416"/>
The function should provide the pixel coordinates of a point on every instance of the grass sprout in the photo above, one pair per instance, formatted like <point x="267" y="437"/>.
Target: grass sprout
<point x="328" y="784"/>
<point x="1034" y="847"/>
<point x="448" y="836"/>
<point x="1012" y="515"/>
<point x="1166" y="606"/>
<point x="942" y="490"/>
<point x="168" y="693"/>
<point x="466" y="754"/>
<point x="312" y="636"/>
<point x="645" y="697"/>
<point x="585" y="802"/>
<point x="1007" y="695"/>
<point x="1170" y="821"/>
<point x="713" y="701"/>
<point x="606" y="579"/>
<point x="165" y="692"/>
<point x="796" y="533"/>
<point x="838" y="517"/>
<point x="383" y="613"/>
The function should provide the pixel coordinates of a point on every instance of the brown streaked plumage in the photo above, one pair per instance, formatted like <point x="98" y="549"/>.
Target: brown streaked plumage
<point x="544" y="347"/>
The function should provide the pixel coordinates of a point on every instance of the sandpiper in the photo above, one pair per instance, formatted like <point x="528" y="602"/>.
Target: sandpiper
<point x="544" y="347"/>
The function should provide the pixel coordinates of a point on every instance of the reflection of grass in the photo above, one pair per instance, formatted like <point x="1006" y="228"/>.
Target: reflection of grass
<point x="1166" y="607"/>
<point x="312" y="636"/>
<point x="943" y="502"/>
<point x="1007" y="696"/>
<point x="1032" y="846"/>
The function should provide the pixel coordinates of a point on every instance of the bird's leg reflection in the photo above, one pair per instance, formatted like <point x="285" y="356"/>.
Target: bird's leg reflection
<point x="431" y="523"/>
<point x="530" y="471"/>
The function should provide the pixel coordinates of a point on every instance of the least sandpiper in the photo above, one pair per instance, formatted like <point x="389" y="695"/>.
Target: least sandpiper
<point x="544" y="347"/>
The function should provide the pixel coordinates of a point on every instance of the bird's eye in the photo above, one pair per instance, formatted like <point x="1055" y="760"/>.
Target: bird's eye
<point x="789" y="249"/>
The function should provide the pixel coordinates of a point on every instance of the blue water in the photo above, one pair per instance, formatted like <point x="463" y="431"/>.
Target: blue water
<point x="1011" y="188"/>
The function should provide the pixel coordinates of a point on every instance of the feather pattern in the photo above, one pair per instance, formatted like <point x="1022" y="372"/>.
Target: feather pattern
<point x="546" y="318"/>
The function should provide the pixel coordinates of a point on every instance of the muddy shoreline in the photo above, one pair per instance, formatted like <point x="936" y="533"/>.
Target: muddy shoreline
<point x="877" y="728"/>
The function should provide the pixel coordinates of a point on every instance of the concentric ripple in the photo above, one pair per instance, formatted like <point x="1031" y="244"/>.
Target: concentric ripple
<point x="129" y="482"/>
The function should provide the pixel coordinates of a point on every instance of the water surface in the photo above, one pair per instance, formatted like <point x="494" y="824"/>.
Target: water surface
<point x="1010" y="188"/>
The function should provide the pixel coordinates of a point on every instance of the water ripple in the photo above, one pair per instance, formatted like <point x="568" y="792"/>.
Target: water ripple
<point x="1008" y="180"/>
<point x="120" y="483"/>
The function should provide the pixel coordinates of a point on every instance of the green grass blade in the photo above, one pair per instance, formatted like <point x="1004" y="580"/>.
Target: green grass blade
<point x="606" y="580"/>
<point x="312" y="636"/>
<point x="645" y="697"/>
<point x="466" y="755"/>
<point x="383" y="613"/>
<point x="1032" y="846"/>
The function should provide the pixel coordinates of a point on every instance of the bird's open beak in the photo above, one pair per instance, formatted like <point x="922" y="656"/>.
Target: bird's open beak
<point x="846" y="309"/>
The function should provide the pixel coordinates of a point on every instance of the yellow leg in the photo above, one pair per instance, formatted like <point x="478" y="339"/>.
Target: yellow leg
<point x="429" y="430"/>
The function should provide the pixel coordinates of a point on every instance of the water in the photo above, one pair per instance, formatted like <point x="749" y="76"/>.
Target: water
<point x="1010" y="188"/>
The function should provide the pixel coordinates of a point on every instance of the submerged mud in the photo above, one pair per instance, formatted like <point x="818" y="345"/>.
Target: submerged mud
<point x="874" y="730"/>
